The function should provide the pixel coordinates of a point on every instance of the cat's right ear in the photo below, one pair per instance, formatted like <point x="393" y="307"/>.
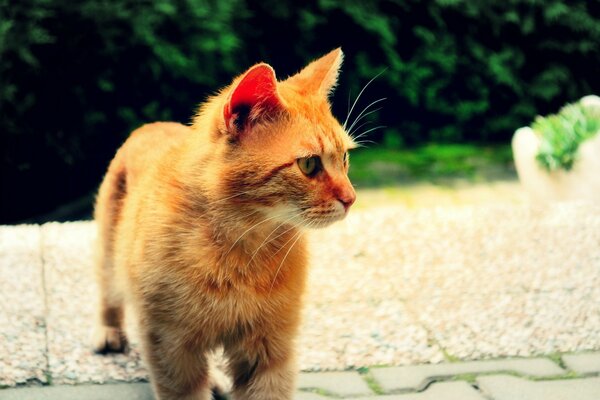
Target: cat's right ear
<point x="251" y="96"/>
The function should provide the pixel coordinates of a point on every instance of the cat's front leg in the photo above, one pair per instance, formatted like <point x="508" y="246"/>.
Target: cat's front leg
<point x="263" y="372"/>
<point x="177" y="371"/>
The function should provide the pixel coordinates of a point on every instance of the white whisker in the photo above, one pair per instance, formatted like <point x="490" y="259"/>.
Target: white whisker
<point x="249" y="229"/>
<point x="365" y="109"/>
<point x="358" y="97"/>
<point x="369" y="130"/>
<point x="276" y="237"/>
<point x="299" y="235"/>
<point x="362" y="144"/>
<point x="360" y="126"/>
<point x="349" y="96"/>
<point x="363" y="124"/>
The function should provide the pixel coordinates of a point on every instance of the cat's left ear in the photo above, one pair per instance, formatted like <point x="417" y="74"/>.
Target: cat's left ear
<point x="320" y="76"/>
<point x="252" y="95"/>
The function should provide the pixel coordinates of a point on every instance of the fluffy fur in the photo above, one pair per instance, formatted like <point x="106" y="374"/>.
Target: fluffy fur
<point x="201" y="227"/>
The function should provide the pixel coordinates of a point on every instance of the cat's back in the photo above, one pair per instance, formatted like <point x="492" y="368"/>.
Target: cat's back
<point x="133" y="172"/>
<point x="146" y="146"/>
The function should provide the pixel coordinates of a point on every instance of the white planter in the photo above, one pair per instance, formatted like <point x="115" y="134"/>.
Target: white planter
<point x="582" y="182"/>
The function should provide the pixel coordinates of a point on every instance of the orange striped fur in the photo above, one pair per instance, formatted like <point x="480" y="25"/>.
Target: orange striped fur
<point x="201" y="229"/>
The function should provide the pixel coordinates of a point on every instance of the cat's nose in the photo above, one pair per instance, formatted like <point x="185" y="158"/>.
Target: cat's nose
<point x="346" y="195"/>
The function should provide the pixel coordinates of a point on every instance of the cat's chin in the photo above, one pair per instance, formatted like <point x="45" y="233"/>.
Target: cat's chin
<point x="318" y="223"/>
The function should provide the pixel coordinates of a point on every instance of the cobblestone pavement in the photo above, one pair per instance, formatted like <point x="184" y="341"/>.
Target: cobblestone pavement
<point x="475" y="302"/>
<point x="570" y="377"/>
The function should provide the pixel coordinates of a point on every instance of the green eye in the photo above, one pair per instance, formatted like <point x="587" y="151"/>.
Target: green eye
<point x="310" y="166"/>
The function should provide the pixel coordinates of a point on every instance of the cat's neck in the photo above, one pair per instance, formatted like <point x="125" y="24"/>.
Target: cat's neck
<point x="258" y="253"/>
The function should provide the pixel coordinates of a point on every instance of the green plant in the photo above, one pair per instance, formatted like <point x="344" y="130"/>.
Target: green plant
<point x="561" y="135"/>
<point x="381" y="166"/>
<point x="74" y="81"/>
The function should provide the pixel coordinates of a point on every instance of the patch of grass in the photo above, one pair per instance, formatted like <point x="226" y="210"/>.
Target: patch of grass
<point x="568" y="375"/>
<point x="562" y="133"/>
<point x="371" y="382"/>
<point x="557" y="359"/>
<point x="380" y="166"/>
<point x="318" y="391"/>
<point x="449" y="357"/>
<point x="362" y="370"/>
<point x="470" y="378"/>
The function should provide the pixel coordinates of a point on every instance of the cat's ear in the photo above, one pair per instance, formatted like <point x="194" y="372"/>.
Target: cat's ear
<point x="253" y="95"/>
<point x="320" y="76"/>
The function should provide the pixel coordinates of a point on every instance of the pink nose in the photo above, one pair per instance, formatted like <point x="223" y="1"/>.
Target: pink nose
<point x="346" y="196"/>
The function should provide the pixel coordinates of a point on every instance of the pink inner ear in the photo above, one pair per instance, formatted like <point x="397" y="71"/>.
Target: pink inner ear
<point x="257" y="89"/>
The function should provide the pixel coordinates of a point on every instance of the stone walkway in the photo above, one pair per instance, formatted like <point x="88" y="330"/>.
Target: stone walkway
<point x="474" y="302"/>
<point x="570" y="377"/>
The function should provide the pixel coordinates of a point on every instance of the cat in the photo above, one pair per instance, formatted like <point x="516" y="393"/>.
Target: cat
<point x="201" y="229"/>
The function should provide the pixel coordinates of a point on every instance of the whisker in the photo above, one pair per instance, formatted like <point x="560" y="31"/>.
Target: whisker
<point x="283" y="245"/>
<point x="359" y="94"/>
<point x="369" y="130"/>
<point x="249" y="229"/>
<point x="298" y="236"/>
<point x="365" y="109"/>
<point x="276" y="237"/>
<point x="358" y="119"/>
<point x="349" y="96"/>
<point x="360" y="126"/>
<point x="362" y="143"/>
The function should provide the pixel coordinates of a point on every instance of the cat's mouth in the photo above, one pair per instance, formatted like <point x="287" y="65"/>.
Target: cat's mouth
<point x="322" y="217"/>
<point x="316" y="216"/>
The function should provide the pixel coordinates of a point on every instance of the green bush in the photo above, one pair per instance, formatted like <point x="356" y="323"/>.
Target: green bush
<point x="75" y="78"/>
<point x="562" y="133"/>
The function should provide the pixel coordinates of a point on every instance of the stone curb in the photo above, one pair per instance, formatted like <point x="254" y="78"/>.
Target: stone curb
<point x="438" y="391"/>
<point x="504" y="387"/>
<point x="416" y="378"/>
<point x="117" y="391"/>
<point x="340" y="384"/>
<point x="585" y="363"/>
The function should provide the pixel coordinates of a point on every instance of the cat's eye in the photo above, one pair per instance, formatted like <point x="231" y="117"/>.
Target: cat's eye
<point x="310" y="166"/>
<point x="345" y="158"/>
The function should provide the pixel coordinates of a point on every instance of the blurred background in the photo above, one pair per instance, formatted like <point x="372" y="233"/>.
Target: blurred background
<point x="458" y="78"/>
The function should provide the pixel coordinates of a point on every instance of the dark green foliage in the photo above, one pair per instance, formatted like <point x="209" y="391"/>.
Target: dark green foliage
<point x="76" y="77"/>
<point x="379" y="167"/>
<point x="562" y="133"/>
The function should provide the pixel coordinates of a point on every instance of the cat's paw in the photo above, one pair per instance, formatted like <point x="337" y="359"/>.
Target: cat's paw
<point x="108" y="339"/>
<point x="220" y="384"/>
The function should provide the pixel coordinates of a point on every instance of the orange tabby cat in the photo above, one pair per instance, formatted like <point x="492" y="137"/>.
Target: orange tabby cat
<point x="201" y="230"/>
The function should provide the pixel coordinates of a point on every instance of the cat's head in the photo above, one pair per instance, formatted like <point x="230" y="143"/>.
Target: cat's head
<point x="284" y="153"/>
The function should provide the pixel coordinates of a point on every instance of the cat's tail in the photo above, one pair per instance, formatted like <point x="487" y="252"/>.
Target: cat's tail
<point x="109" y="335"/>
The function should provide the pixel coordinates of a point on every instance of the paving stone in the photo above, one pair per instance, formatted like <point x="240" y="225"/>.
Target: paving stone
<point x="22" y="307"/>
<point x="309" y="396"/>
<point x="395" y="379"/>
<point x="437" y="391"/>
<point x="129" y="391"/>
<point x="583" y="363"/>
<point x="348" y="383"/>
<point x="119" y="391"/>
<point x="504" y="387"/>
